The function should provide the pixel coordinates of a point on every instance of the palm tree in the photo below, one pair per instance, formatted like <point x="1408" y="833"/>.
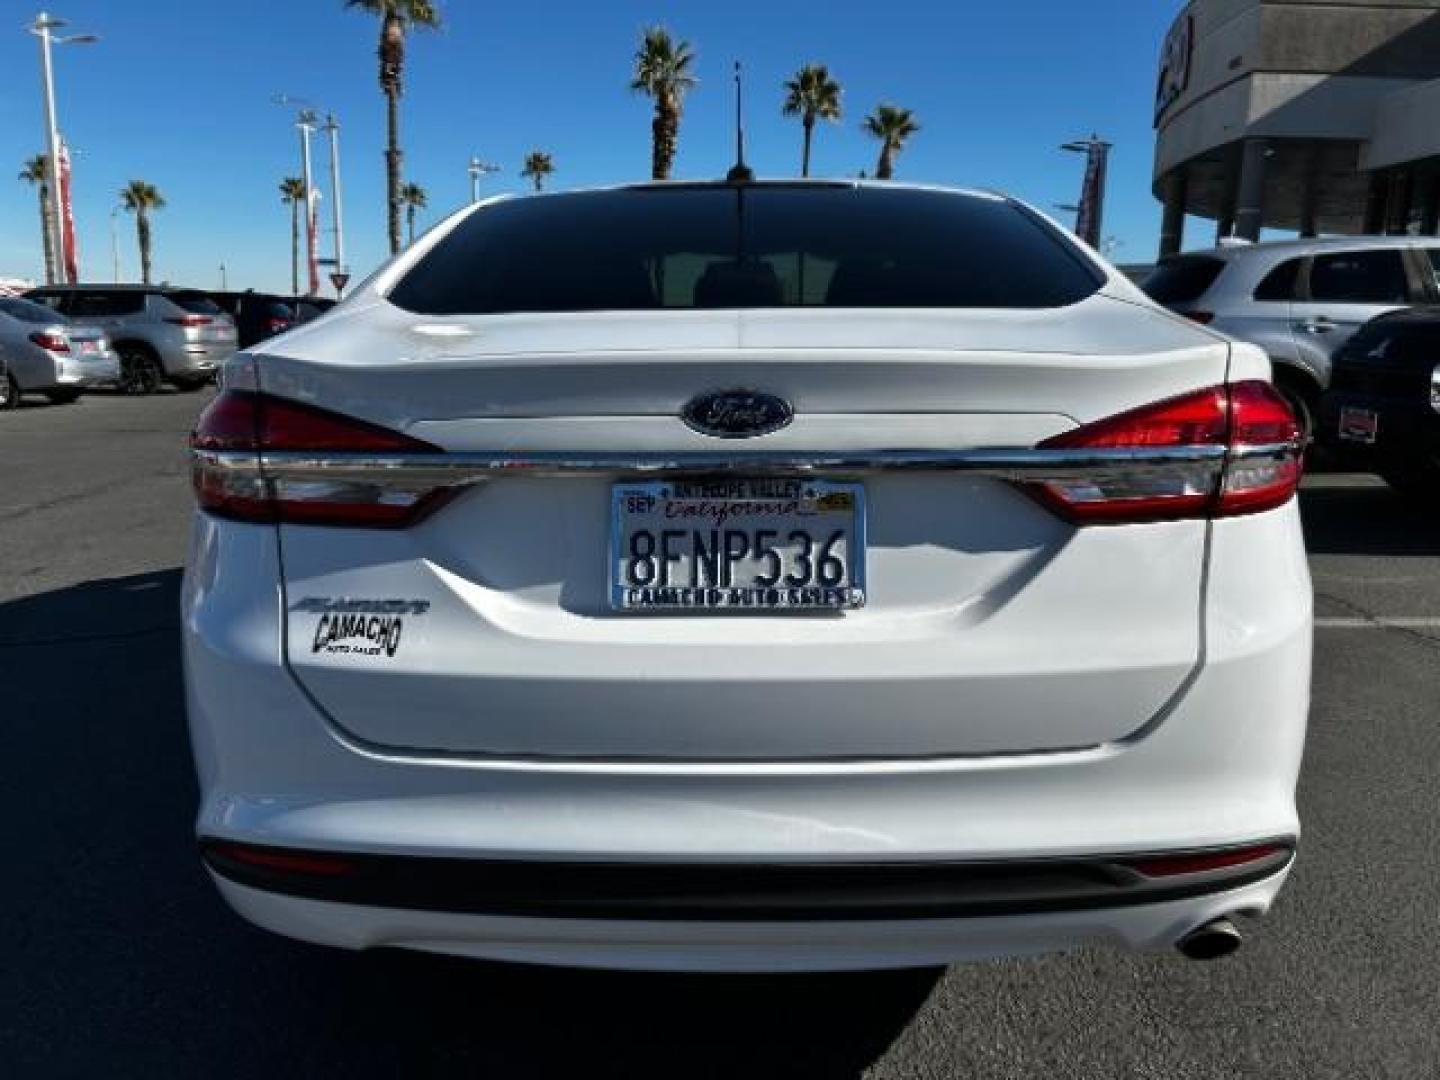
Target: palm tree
<point x="37" y="174"/>
<point x="663" y="71"/>
<point x="396" y="17"/>
<point x="413" y="197"/>
<point x="811" y="95"/>
<point x="140" y="198"/>
<point x="292" y="194"/>
<point x="892" y="125"/>
<point x="537" y="167"/>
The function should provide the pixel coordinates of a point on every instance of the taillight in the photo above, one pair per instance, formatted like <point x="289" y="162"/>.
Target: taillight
<point x="51" y="342"/>
<point x="190" y="320"/>
<point x="1236" y="450"/>
<point x="277" y="326"/>
<point x="240" y="428"/>
<point x="1204" y="318"/>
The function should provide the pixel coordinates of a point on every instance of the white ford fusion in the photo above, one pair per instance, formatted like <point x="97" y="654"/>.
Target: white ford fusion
<point x="743" y="577"/>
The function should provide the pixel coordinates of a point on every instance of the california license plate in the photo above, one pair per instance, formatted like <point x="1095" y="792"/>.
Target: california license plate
<point x="737" y="545"/>
<point x="1359" y="425"/>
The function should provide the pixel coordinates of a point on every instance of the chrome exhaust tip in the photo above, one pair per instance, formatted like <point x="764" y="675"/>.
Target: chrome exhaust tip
<point x="1210" y="941"/>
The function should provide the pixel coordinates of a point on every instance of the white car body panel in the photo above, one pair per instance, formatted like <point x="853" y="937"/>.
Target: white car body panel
<point x="1017" y="687"/>
<point x="741" y="947"/>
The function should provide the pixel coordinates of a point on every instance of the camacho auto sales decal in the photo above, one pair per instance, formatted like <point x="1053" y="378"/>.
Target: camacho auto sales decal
<point x="359" y="627"/>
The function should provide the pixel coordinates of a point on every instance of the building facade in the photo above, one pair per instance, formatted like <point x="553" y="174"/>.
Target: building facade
<point x="1323" y="118"/>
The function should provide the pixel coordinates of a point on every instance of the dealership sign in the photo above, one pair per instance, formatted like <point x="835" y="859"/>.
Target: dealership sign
<point x="1174" y="64"/>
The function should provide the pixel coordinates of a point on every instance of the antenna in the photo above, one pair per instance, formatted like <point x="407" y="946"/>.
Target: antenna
<point x="739" y="173"/>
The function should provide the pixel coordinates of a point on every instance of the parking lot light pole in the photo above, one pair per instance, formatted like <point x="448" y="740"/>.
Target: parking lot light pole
<point x="305" y="123"/>
<point x="115" y="244"/>
<point x="42" y="28"/>
<point x="477" y="169"/>
<point x="332" y="128"/>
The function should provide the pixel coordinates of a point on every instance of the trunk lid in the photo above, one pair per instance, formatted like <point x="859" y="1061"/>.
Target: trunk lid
<point x="991" y="625"/>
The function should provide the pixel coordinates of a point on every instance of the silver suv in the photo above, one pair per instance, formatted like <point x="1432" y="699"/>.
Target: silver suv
<point x="161" y="333"/>
<point x="1299" y="300"/>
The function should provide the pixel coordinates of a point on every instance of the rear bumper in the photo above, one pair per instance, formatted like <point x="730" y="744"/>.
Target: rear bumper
<point x="92" y="371"/>
<point x="192" y="359"/>
<point x="749" y="946"/>
<point x="1406" y="429"/>
<point x="744" y="892"/>
<point x="1216" y="768"/>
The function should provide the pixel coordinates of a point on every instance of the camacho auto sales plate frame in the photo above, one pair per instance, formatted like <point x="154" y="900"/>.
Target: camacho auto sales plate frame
<point x="734" y="545"/>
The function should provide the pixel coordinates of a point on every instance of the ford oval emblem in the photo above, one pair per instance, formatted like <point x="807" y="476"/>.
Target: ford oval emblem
<point x="737" y="414"/>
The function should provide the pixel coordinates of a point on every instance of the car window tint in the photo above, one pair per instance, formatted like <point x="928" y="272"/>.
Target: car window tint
<point x="1359" y="277"/>
<point x="1279" y="283"/>
<point x="197" y="303"/>
<point x="29" y="311"/>
<point x="53" y="301"/>
<point x="1373" y="341"/>
<point x="100" y="305"/>
<point x="1434" y="255"/>
<point x="716" y="246"/>
<point x="1182" y="279"/>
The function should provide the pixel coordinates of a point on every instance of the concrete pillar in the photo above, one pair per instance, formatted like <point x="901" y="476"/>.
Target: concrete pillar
<point x="1250" y="191"/>
<point x="1375" y="203"/>
<point x="1310" y="193"/>
<point x="1397" y="205"/>
<point x="1229" y="182"/>
<point x="1172" y="223"/>
<point x="1430" y="205"/>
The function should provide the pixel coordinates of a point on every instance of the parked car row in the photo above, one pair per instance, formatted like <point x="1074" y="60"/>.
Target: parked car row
<point x="60" y="339"/>
<point x="42" y="352"/>
<point x="1352" y="330"/>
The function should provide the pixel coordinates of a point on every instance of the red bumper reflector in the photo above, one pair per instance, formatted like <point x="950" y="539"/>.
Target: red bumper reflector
<point x="1203" y="861"/>
<point x="290" y="862"/>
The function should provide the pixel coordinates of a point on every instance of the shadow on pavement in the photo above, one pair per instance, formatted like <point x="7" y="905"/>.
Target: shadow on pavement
<point x="1368" y="521"/>
<point x="124" y="961"/>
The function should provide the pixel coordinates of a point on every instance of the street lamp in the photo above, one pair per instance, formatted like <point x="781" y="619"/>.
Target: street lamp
<point x="341" y="276"/>
<point x="305" y="124"/>
<point x="115" y="244"/>
<point x="308" y="120"/>
<point x="43" y="28"/>
<point x="477" y="169"/>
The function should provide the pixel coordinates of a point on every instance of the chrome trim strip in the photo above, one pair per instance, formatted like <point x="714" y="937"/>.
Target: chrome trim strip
<point x="449" y="470"/>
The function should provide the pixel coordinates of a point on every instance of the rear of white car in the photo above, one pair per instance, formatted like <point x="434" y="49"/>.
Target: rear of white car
<point x="761" y="577"/>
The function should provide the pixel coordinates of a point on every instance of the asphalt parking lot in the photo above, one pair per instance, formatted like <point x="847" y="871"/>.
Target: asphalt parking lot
<point x="123" y="961"/>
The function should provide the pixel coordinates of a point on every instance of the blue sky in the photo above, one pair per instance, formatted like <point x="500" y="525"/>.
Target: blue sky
<point x="178" y="93"/>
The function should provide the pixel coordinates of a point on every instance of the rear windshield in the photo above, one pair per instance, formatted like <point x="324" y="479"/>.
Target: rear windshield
<point x="197" y="303"/>
<point x="1394" y="341"/>
<point x="103" y="305"/>
<point x="29" y="311"/>
<point x="1183" y="279"/>
<point x="747" y="247"/>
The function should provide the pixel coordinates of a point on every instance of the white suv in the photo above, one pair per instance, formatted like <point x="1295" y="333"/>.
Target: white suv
<point x="1299" y="300"/>
<point x="735" y="577"/>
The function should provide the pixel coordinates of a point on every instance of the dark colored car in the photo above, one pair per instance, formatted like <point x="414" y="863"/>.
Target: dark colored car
<point x="257" y="315"/>
<point x="1382" y="411"/>
<point x="309" y="307"/>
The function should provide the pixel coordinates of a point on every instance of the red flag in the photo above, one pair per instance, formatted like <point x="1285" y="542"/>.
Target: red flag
<point x="70" y="253"/>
